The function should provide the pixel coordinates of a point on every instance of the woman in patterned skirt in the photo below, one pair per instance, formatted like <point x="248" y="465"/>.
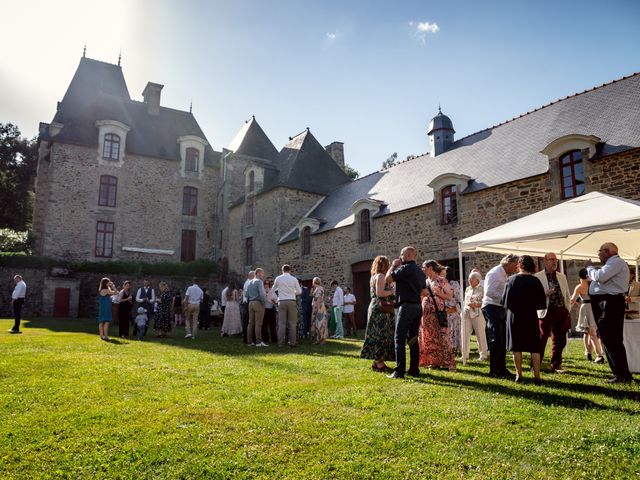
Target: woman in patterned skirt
<point x="435" y="346"/>
<point x="452" y="307"/>
<point x="378" y="338"/>
<point x="319" y="313"/>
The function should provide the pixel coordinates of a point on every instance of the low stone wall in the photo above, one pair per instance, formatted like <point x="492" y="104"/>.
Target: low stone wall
<point x="41" y="284"/>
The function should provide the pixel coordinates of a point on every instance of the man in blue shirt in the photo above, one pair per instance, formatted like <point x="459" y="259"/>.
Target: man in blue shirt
<point x="411" y="284"/>
<point x="608" y="287"/>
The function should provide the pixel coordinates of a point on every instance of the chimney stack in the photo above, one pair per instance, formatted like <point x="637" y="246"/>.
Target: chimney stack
<point x="151" y="95"/>
<point x="336" y="150"/>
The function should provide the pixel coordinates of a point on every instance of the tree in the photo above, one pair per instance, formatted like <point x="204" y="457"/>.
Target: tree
<point x="18" y="160"/>
<point x="391" y="161"/>
<point x="351" y="173"/>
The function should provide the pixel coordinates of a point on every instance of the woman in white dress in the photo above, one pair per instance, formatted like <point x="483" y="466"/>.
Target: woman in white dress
<point x="231" y="324"/>
<point x="586" y="322"/>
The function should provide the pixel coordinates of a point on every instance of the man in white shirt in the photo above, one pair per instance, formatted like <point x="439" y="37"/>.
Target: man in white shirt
<point x="223" y="298"/>
<point x="349" y="319"/>
<point x="608" y="287"/>
<point x="17" y="301"/>
<point x="338" y="307"/>
<point x="288" y="288"/>
<point x="496" y="316"/>
<point x="192" y="299"/>
<point x="244" y="305"/>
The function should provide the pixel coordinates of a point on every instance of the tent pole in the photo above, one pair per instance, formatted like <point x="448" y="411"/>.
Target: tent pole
<point x="462" y="288"/>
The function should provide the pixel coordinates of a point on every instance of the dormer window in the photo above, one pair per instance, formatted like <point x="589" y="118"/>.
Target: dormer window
<point x="111" y="147"/>
<point x="365" y="226"/>
<point x="306" y="241"/>
<point x="192" y="159"/>
<point x="572" y="174"/>
<point x="449" y="205"/>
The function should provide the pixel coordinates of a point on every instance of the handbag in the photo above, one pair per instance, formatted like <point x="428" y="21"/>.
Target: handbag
<point x="441" y="315"/>
<point x="386" y="305"/>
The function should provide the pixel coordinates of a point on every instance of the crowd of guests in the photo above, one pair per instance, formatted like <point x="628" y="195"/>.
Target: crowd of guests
<point x="195" y="309"/>
<point x="513" y="309"/>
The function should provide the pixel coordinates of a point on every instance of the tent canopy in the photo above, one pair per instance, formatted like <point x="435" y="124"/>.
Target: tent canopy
<point x="574" y="229"/>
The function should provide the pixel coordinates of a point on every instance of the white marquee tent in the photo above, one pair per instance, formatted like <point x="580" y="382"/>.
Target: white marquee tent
<point x="574" y="229"/>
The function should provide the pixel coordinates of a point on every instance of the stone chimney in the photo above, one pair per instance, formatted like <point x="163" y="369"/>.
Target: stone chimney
<point x="151" y="94"/>
<point x="336" y="150"/>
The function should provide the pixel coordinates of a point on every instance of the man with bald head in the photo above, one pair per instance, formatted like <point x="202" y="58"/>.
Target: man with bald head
<point x="411" y="284"/>
<point x="608" y="287"/>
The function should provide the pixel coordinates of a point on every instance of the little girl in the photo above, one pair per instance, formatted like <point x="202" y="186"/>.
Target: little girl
<point x="141" y="322"/>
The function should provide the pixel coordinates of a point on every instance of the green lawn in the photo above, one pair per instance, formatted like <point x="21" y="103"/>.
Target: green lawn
<point x="73" y="406"/>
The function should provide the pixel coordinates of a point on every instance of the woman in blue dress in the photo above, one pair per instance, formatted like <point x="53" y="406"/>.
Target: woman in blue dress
<point x="105" y="313"/>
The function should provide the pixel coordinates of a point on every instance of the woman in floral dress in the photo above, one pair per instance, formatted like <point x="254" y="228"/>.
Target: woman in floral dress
<point x="319" y="314"/>
<point x="453" y="311"/>
<point x="435" y="347"/>
<point x="378" y="338"/>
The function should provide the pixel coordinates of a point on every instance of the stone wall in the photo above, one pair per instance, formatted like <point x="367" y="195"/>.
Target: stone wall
<point x="84" y="289"/>
<point x="276" y="212"/>
<point x="148" y="212"/>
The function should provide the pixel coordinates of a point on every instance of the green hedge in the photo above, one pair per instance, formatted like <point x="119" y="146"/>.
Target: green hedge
<point x="198" y="268"/>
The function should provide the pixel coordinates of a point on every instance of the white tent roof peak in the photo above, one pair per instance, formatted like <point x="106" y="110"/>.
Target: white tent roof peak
<point x="574" y="229"/>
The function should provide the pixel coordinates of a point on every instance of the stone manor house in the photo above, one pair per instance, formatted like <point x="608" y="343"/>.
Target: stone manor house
<point x="123" y="179"/>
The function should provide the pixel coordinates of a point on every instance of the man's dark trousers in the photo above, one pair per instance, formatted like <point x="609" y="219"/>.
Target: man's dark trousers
<point x="556" y="323"/>
<point x="496" y="318"/>
<point x="407" y="327"/>
<point x="17" y="313"/>
<point x="608" y="310"/>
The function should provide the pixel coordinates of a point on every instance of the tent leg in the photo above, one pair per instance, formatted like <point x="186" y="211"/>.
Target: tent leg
<point x="462" y="288"/>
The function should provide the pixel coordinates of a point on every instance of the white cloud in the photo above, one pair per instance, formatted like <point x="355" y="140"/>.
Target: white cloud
<point x="421" y="29"/>
<point x="331" y="36"/>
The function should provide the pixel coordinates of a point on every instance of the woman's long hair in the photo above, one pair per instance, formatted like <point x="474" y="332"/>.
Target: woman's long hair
<point x="104" y="283"/>
<point x="380" y="264"/>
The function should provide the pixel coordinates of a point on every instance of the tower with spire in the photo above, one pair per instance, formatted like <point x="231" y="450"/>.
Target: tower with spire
<point x="440" y="133"/>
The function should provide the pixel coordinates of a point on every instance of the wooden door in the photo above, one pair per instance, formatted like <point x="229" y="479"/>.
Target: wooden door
<point x="360" y="273"/>
<point x="61" y="298"/>
<point x="188" y="250"/>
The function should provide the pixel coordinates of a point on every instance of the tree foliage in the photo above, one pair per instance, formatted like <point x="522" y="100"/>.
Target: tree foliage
<point x="18" y="160"/>
<point x="351" y="173"/>
<point x="391" y="161"/>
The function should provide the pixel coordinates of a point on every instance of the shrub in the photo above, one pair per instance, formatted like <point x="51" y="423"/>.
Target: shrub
<point x="15" y="241"/>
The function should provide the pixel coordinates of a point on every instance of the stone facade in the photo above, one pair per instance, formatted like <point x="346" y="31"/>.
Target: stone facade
<point x="148" y="211"/>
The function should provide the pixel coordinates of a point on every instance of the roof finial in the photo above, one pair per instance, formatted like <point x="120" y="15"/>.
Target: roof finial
<point x="439" y="110"/>
<point x="84" y="51"/>
<point x="191" y="106"/>
<point x="119" y="57"/>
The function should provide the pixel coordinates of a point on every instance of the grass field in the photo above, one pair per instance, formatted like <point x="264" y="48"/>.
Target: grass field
<point x="73" y="406"/>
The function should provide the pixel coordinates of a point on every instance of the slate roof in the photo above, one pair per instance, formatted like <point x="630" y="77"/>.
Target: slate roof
<point x="252" y="141"/>
<point x="498" y="155"/>
<point x="304" y="164"/>
<point x="98" y="91"/>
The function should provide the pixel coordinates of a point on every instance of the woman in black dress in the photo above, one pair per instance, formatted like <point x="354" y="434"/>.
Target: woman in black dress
<point x="523" y="296"/>
<point x="162" y="318"/>
<point x="125" y="301"/>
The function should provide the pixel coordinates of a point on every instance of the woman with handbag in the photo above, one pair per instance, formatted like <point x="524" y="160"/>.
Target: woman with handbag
<point x="435" y="346"/>
<point x="378" y="339"/>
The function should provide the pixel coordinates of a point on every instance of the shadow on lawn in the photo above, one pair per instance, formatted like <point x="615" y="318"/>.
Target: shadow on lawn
<point x="539" y="394"/>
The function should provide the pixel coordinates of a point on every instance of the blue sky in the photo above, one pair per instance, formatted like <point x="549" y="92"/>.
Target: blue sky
<point x="368" y="73"/>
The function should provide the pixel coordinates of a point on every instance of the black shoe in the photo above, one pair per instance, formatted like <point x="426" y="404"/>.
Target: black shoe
<point x="395" y="375"/>
<point x="14" y="331"/>
<point x="589" y="357"/>
<point x="504" y="374"/>
<point x="415" y="374"/>
<point x="537" y="381"/>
